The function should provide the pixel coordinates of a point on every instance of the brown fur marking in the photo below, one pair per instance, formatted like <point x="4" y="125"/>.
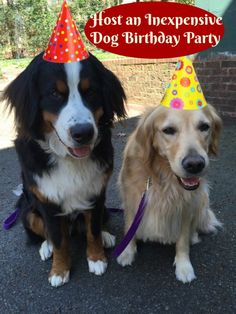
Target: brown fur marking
<point x="36" y="224"/>
<point x="95" y="250"/>
<point x="61" y="256"/>
<point x="61" y="87"/>
<point x="84" y="84"/>
<point x="38" y="194"/>
<point x="49" y="119"/>
<point x="98" y="114"/>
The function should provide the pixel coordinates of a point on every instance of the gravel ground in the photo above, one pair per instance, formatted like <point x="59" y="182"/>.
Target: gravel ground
<point x="149" y="286"/>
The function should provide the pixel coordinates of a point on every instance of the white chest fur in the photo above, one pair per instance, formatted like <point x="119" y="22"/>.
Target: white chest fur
<point x="162" y="220"/>
<point x="72" y="183"/>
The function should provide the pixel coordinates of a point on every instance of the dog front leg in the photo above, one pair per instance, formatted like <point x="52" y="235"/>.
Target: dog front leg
<point x="59" y="238"/>
<point x="96" y="258"/>
<point x="127" y="257"/>
<point x="184" y="269"/>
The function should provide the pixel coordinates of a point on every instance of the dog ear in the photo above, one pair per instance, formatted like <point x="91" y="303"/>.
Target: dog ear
<point x="145" y="136"/>
<point x="216" y="128"/>
<point x="114" y="96"/>
<point x="21" y="96"/>
<point x="113" y="92"/>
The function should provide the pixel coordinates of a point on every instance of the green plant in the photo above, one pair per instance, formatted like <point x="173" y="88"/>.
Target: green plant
<point x="28" y="24"/>
<point x="192" y="2"/>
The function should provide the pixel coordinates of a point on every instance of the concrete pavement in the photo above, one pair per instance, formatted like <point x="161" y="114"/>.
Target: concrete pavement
<point x="149" y="286"/>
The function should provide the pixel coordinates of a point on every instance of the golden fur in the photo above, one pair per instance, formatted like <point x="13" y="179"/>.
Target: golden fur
<point x="173" y="214"/>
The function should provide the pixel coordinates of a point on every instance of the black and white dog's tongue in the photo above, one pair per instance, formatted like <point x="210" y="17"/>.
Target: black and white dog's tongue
<point x="81" y="151"/>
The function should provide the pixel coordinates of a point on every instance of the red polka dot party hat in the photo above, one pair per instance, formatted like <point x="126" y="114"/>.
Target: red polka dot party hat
<point x="65" y="44"/>
<point x="184" y="90"/>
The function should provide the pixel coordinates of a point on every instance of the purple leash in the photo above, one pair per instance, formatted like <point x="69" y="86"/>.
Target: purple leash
<point x="11" y="219"/>
<point x="135" y="224"/>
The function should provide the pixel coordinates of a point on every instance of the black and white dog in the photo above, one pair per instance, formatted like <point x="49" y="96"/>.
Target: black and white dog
<point x="64" y="114"/>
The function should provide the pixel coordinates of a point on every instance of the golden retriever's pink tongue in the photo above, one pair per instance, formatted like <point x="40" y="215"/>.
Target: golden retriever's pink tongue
<point x="81" y="152"/>
<point x="190" y="181"/>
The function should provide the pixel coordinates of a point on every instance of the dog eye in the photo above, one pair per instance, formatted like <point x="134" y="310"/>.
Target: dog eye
<point x="203" y="127"/>
<point x="56" y="94"/>
<point x="169" y="130"/>
<point x="89" y="92"/>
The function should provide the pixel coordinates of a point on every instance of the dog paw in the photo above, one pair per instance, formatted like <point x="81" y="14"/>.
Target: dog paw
<point x="195" y="238"/>
<point x="184" y="271"/>
<point x="108" y="240"/>
<point x="97" y="267"/>
<point x="209" y="223"/>
<point x="45" y="250"/>
<point x="127" y="256"/>
<point x="57" y="280"/>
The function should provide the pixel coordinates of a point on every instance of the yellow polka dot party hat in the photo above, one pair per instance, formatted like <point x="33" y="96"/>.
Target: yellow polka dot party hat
<point x="184" y="90"/>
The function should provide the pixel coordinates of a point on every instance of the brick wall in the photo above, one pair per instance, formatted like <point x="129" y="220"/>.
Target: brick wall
<point x="145" y="80"/>
<point x="218" y="80"/>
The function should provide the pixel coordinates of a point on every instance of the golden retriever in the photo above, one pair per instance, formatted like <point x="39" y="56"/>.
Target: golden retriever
<point x="172" y="148"/>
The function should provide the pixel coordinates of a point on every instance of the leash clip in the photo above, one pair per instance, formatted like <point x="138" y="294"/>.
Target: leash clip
<point x="148" y="183"/>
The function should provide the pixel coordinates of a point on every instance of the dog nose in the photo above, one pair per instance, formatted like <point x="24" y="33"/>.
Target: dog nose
<point x="193" y="164"/>
<point x="82" y="133"/>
